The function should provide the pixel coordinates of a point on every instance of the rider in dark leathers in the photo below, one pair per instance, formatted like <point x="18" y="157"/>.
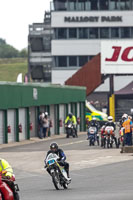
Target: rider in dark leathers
<point x="94" y="123"/>
<point x="62" y="157"/>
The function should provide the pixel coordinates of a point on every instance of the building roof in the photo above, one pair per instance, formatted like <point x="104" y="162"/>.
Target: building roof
<point x="89" y="75"/>
<point x="126" y="90"/>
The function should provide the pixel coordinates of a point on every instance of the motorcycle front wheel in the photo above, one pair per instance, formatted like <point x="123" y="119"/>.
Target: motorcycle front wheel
<point x="56" y="181"/>
<point x="65" y="185"/>
<point x="16" y="196"/>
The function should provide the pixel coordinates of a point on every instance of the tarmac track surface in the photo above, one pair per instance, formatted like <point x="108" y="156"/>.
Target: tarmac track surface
<point x="97" y="174"/>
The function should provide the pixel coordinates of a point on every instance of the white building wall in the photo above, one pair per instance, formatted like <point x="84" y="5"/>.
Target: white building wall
<point x="60" y="76"/>
<point x="75" y="47"/>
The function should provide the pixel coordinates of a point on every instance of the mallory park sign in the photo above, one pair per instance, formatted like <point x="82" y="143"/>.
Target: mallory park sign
<point x="93" y="19"/>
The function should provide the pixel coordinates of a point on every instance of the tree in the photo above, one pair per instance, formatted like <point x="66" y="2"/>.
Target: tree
<point x="23" y="53"/>
<point x="8" y="51"/>
<point x="2" y="41"/>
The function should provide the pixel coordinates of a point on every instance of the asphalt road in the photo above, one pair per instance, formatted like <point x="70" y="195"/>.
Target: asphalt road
<point x="97" y="174"/>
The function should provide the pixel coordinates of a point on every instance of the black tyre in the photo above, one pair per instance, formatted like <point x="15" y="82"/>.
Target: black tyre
<point x="16" y="196"/>
<point x="65" y="185"/>
<point x="68" y="132"/>
<point x="104" y="142"/>
<point x="108" y="143"/>
<point x="73" y="133"/>
<point x="56" y="181"/>
<point x="118" y="143"/>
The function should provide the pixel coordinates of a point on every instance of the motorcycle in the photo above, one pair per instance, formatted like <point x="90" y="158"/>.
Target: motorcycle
<point x="57" y="172"/>
<point x="121" y="137"/>
<point x="70" y="130"/>
<point x="92" y="135"/>
<point x="8" y="190"/>
<point x="110" y="137"/>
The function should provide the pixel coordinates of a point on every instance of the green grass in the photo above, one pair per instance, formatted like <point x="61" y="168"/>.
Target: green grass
<point x="10" y="68"/>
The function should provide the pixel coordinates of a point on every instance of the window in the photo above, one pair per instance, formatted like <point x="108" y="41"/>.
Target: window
<point x="72" y="61"/>
<point x="72" y="5"/>
<point x="94" y="4"/>
<point x="60" y="5"/>
<point x="62" y="33"/>
<point x="124" y="4"/>
<point x="81" y="4"/>
<point x="72" y="33"/>
<point x="93" y="33"/>
<point x="90" y="57"/>
<point x="114" y="5"/>
<point x="104" y="5"/>
<point x="36" y="44"/>
<point x="132" y="32"/>
<point x="83" y="33"/>
<point x="131" y="5"/>
<point x="47" y="43"/>
<point x="114" y="32"/>
<point x="87" y="5"/>
<point x="62" y="61"/>
<point x="83" y="60"/>
<point x="125" y="32"/>
<point x="104" y="33"/>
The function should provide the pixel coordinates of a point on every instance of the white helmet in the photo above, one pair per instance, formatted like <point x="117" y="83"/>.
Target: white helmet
<point x="94" y="118"/>
<point x="125" y="116"/>
<point x="46" y="113"/>
<point x="110" y="118"/>
<point x="130" y="117"/>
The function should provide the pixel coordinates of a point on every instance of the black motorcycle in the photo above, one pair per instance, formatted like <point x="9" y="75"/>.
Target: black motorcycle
<point x="57" y="172"/>
<point x="70" y="129"/>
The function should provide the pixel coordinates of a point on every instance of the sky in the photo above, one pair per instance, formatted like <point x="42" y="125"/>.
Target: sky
<point x="16" y="16"/>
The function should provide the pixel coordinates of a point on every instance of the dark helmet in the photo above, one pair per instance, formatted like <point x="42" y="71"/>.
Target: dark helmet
<point x="70" y="115"/>
<point x="54" y="146"/>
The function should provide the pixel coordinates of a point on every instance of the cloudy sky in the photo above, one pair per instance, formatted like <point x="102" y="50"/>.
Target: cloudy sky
<point x="15" y="17"/>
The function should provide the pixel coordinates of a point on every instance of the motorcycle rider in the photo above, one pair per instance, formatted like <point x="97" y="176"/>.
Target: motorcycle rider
<point x="111" y="123"/>
<point x="72" y="118"/>
<point x="94" y="123"/>
<point x="7" y="174"/>
<point x="62" y="157"/>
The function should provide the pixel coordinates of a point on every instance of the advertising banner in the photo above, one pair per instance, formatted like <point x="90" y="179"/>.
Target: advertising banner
<point x="117" y="57"/>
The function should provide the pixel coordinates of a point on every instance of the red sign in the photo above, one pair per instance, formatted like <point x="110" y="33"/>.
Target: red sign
<point x="124" y="54"/>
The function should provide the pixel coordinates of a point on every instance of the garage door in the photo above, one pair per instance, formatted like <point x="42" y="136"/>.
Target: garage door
<point x="23" y="122"/>
<point x="62" y="117"/>
<point x="12" y="122"/>
<point x="1" y="127"/>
